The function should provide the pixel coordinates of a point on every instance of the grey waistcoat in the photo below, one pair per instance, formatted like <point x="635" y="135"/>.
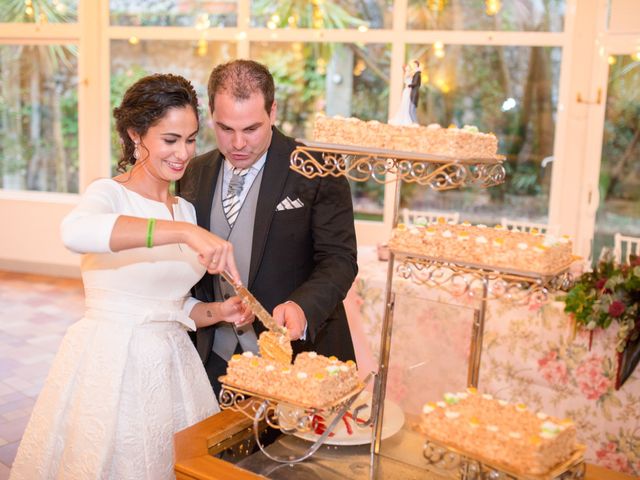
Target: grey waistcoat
<point x="241" y="236"/>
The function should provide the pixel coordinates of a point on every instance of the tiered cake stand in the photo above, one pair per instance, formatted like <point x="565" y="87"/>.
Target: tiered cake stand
<point x="440" y="173"/>
<point x="291" y="417"/>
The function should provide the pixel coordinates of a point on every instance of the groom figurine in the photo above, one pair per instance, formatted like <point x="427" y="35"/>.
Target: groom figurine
<point x="294" y="238"/>
<point x="415" y="90"/>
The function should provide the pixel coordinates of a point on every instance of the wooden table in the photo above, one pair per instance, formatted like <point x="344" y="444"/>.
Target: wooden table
<point x="194" y="460"/>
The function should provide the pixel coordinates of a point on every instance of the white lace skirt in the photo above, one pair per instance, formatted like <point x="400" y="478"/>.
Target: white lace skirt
<point x="118" y="390"/>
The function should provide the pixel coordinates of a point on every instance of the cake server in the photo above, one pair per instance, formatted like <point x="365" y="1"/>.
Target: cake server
<point x="254" y="305"/>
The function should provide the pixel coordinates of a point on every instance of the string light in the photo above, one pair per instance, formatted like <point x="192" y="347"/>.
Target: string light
<point x="611" y="60"/>
<point x="359" y="67"/>
<point x="133" y="40"/>
<point x="321" y="66"/>
<point x="438" y="49"/>
<point x="203" y="47"/>
<point x="636" y="56"/>
<point x="492" y="6"/>
<point x="436" y="5"/>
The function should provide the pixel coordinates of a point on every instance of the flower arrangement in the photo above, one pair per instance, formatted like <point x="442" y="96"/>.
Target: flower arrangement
<point x="611" y="292"/>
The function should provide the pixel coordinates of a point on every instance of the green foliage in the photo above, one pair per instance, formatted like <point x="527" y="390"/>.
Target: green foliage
<point x="609" y="293"/>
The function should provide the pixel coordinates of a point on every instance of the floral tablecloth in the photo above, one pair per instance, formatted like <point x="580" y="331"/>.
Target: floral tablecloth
<point x="530" y="354"/>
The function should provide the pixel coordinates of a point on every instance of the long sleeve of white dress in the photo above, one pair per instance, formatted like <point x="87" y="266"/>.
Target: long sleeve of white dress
<point x="87" y="228"/>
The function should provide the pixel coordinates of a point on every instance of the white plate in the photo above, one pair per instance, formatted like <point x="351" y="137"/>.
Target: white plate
<point x="393" y="421"/>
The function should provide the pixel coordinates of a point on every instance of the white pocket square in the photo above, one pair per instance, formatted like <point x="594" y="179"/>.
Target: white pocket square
<point x="288" y="204"/>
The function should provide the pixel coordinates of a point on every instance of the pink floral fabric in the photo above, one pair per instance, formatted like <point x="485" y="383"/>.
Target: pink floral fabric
<point x="530" y="354"/>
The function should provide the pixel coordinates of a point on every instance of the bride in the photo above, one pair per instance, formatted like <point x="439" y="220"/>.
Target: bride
<point x="127" y="376"/>
<point x="404" y="115"/>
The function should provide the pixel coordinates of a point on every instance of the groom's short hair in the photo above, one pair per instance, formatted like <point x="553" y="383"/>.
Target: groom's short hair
<point x="241" y="79"/>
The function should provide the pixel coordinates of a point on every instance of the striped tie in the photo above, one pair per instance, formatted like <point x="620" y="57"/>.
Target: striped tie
<point x="231" y="203"/>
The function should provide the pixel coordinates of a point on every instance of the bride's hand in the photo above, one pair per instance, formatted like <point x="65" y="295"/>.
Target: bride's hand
<point x="234" y="310"/>
<point x="214" y="253"/>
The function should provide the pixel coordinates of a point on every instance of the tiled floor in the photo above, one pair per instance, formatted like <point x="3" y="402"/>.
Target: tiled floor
<point x="36" y="311"/>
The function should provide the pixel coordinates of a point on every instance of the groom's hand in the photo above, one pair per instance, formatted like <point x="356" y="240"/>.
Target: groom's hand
<point x="291" y="315"/>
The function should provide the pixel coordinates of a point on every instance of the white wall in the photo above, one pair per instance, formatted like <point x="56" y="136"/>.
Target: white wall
<point x="30" y="234"/>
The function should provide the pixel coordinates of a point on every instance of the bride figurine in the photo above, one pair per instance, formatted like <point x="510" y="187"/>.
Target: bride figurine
<point x="406" y="114"/>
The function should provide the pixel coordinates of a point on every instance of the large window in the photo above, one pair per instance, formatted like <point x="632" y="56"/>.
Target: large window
<point x="39" y="118"/>
<point x="506" y="15"/>
<point x="511" y="91"/>
<point x="499" y="65"/>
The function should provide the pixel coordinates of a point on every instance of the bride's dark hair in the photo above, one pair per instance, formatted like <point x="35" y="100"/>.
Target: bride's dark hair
<point x="145" y="103"/>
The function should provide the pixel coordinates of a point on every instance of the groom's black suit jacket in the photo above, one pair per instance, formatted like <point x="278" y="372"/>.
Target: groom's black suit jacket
<point x="307" y="255"/>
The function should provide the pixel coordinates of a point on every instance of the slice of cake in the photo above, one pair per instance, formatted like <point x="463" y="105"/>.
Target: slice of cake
<point x="484" y="246"/>
<point x="313" y="380"/>
<point x="275" y="346"/>
<point x="459" y="143"/>
<point x="500" y="433"/>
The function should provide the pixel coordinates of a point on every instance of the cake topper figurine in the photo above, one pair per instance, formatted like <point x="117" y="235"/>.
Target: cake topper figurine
<point x="406" y="114"/>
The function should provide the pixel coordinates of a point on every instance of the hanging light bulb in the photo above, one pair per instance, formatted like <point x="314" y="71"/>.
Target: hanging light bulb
<point x="492" y="7"/>
<point x="436" y="5"/>
<point x="611" y="60"/>
<point x="438" y="49"/>
<point x="203" y="47"/>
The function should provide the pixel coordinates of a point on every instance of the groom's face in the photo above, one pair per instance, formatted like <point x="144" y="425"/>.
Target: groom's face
<point x="242" y="127"/>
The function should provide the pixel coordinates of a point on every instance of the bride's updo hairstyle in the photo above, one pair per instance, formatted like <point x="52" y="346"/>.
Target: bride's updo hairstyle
<point x="145" y="103"/>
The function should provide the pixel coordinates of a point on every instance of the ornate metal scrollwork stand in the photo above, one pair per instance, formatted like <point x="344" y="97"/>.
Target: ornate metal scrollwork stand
<point x="360" y="164"/>
<point x="288" y="417"/>
<point x="451" y="463"/>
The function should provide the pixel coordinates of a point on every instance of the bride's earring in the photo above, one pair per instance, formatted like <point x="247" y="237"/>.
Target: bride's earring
<point x="136" y="152"/>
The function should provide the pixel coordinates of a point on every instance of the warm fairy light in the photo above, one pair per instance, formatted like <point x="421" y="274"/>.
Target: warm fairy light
<point x="271" y="25"/>
<point x="275" y="18"/>
<point x="611" y="60"/>
<point x="442" y="84"/>
<point x="321" y="66"/>
<point x="492" y="6"/>
<point x="636" y="56"/>
<point x="202" y="47"/>
<point x="363" y="28"/>
<point x="241" y="35"/>
<point x="29" y="11"/>
<point x="202" y="22"/>
<point x="438" y="49"/>
<point x="133" y="40"/>
<point x="292" y="21"/>
<point x="359" y="67"/>
<point x="436" y="5"/>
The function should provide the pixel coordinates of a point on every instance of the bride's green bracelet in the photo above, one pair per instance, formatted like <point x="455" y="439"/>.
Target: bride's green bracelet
<point x="151" y="223"/>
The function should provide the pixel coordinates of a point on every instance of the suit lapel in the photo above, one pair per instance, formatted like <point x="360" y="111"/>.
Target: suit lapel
<point x="276" y="170"/>
<point x="208" y="179"/>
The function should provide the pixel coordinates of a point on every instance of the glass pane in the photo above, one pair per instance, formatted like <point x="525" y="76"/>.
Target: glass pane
<point x="511" y="91"/>
<point x="619" y="209"/>
<point x="511" y="15"/>
<point x="39" y="118"/>
<point x="322" y="14"/>
<point x="174" y="13"/>
<point x="337" y="79"/>
<point x="192" y="60"/>
<point x="39" y="11"/>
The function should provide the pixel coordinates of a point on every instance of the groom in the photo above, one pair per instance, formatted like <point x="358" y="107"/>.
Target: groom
<point x="294" y="238"/>
<point x="416" y="80"/>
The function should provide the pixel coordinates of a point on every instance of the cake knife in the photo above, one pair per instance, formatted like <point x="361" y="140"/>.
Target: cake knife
<point x="254" y="305"/>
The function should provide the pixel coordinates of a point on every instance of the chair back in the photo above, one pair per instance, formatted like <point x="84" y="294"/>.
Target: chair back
<point x="524" y="226"/>
<point x="624" y="246"/>
<point x="409" y="217"/>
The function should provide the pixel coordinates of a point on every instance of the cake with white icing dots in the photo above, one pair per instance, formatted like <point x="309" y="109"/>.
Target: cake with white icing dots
<point x="459" y="143"/>
<point x="312" y="380"/>
<point x="500" y="433"/>
<point x="480" y="245"/>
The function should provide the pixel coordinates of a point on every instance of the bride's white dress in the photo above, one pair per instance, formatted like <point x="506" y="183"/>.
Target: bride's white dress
<point x="127" y="376"/>
<point x="403" y="115"/>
